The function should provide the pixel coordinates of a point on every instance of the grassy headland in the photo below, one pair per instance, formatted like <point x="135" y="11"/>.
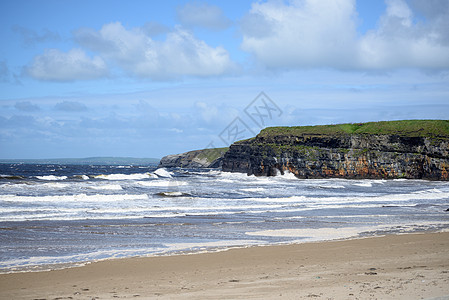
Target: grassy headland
<point x="410" y="128"/>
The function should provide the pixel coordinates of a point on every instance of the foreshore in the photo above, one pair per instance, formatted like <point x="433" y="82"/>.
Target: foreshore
<point x="409" y="266"/>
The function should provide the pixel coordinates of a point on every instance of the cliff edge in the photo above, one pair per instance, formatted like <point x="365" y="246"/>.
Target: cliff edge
<point x="206" y="158"/>
<point x="413" y="149"/>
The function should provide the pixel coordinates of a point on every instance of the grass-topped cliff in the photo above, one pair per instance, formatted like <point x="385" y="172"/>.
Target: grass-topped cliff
<point x="407" y="128"/>
<point x="392" y="149"/>
<point x="205" y="158"/>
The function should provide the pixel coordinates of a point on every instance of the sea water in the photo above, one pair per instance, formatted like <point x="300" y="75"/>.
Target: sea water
<point x="54" y="216"/>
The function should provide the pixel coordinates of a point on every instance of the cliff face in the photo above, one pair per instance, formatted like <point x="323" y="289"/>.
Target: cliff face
<point x="206" y="158"/>
<point x="346" y="151"/>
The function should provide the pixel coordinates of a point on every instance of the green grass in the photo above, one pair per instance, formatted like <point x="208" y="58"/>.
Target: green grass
<point x="410" y="128"/>
<point x="212" y="153"/>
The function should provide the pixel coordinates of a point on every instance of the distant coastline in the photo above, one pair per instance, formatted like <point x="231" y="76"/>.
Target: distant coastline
<point x="86" y="161"/>
<point x="205" y="158"/>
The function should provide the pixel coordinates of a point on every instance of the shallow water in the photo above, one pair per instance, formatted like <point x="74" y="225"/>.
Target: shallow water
<point x="60" y="214"/>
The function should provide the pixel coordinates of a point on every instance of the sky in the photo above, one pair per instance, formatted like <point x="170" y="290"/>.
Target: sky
<point x="141" y="78"/>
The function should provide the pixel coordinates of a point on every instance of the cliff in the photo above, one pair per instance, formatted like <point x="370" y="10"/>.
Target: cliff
<point x="206" y="158"/>
<point x="415" y="149"/>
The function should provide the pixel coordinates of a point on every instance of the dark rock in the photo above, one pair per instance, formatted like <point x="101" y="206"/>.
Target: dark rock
<point x="370" y="273"/>
<point x="206" y="158"/>
<point x="343" y="155"/>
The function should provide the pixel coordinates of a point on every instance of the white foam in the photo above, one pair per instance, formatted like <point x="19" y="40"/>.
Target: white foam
<point x="312" y="234"/>
<point x="52" y="185"/>
<point x="364" y="184"/>
<point x="243" y="178"/>
<point x="226" y="180"/>
<point x="256" y="190"/>
<point x="91" y="256"/>
<point x="331" y="186"/>
<point x="51" y="177"/>
<point x="40" y="209"/>
<point x="287" y="175"/>
<point x="172" y="194"/>
<point x="162" y="183"/>
<point x="74" y="198"/>
<point x="125" y="176"/>
<point x="431" y="194"/>
<point x="213" y="172"/>
<point x="213" y="244"/>
<point x="331" y="233"/>
<point x="162" y="172"/>
<point x="111" y="187"/>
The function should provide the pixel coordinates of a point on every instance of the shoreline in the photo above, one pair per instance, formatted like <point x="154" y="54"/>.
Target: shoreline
<point x="403" y="266"/>
<point x="198" y="251"/>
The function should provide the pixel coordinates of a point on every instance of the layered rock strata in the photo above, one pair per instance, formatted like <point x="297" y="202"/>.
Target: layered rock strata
<point x="414" y="150"/>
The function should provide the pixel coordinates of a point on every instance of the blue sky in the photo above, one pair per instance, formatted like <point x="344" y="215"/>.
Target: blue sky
<point x="150" y="78"/>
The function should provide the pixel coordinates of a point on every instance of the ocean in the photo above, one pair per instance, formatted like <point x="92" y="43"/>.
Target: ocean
<point x="57" y="216"/>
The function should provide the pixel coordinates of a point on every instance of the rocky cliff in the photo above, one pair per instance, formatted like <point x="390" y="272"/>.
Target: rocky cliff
<point x="416" y="149"/>
<point x="206" y="158"/>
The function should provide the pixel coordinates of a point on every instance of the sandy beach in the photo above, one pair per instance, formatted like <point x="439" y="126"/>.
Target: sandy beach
<point x="411" y="266"/>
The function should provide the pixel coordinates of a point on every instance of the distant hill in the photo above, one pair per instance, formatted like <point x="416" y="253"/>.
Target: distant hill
<point x="205" y="158"/>
<point x="88" y="161"/>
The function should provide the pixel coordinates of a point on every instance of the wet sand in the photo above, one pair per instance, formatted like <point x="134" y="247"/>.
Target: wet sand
<point x="411" y="266"/>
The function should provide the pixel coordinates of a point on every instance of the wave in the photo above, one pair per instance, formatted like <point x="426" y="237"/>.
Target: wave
<point x="11" y="177"/>
<point x="330" y="186"/>
<point x="162" y="172"/>
<point x="52" y="261"/>
<point x="120" y="212"/>
<point x="431" y="194"/>
<point x="162" y="183"/>
<point x="172" y="194"/>
<point x="51" y="177"/>
<point x="74" y="198"/>
<point x="363" y="184"/>
<point x="252" y="179"/>
<point x="254" y="190"/>
<point x="52" y="185"/>
<point x="136" y="176"/>
<point x="112" y="187"/>
<point x="287" y="175"/>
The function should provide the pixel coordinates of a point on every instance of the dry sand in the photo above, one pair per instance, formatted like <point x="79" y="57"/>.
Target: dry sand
<point x="412" y="266"/>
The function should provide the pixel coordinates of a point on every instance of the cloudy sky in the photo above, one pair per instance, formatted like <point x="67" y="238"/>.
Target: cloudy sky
<point x="149" y="78"/>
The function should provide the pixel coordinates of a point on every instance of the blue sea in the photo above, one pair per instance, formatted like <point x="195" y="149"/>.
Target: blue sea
<point x="57" y="216"/>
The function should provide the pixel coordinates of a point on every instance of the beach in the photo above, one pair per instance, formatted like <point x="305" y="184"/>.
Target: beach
<point x="407" y="266"/>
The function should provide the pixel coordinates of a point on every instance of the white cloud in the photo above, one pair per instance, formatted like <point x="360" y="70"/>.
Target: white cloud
<point x="308" y="33"/>
<point x="55" y="65"/>
<point x="302" y="34"/>
<point x="399" y="42"/>
<point x="438" y="12"/>
<point x="180" y="54"/>
<point x="202" y="15"/>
